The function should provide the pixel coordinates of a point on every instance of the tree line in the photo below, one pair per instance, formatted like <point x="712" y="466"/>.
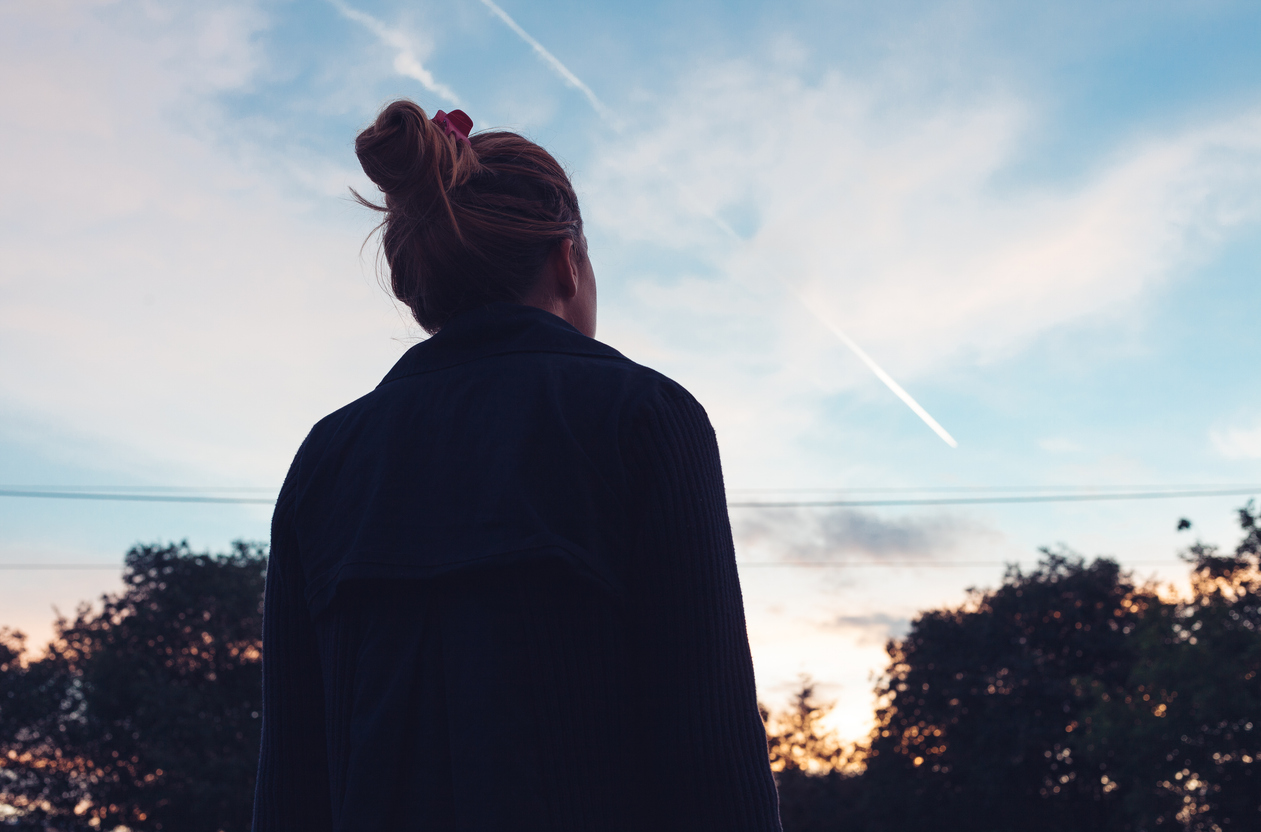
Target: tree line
<point x="1068" y="698"/>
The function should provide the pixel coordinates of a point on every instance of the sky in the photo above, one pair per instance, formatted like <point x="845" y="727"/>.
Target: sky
<point x="1042" y="220"/>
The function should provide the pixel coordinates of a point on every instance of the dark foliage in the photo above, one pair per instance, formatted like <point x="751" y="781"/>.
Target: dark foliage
<point x="1067" y="699"/>
<point x="1181" y="743"/>
<point x="831" y="802"/>
<point x="143" y="713"/>
<point x="32" y="699"/>
<point x="981" y="703"/>
<point x="812" y="768"/>
<point x="797" y="739"/>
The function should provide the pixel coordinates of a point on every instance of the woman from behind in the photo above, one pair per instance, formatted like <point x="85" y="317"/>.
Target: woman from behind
<point x="502" y="591"/>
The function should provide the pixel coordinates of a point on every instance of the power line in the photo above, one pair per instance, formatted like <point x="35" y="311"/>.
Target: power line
<point x="134" y="498"/>
<point x="908" y="564"/>
<point x="171" y="488"/>
<point x="59" y="566"/>
<point x="916" y="564"/>
<point x="120" y="496"/>
<point x="976" y="501"/>
<point x="896" y="489"/>
<point x="910" y="489"/>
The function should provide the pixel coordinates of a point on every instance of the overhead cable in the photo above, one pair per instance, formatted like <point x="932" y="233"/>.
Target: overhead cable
<point x="120" y="496"/>
<point x="907" y="564"/>
<point x="974" y="501"/>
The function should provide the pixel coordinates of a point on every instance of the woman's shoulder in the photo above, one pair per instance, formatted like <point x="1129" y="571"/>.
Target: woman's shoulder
<point x="527" y="365"/>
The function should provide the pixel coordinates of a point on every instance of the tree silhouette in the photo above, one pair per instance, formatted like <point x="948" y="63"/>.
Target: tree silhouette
<point x="143" y="713"/>
<point x="980" y="703"/>
<point x="1069" y="698"/>
<point x="797" y="737"/>
<point x="813" y="770"/>
<point x="1181" y="745"/>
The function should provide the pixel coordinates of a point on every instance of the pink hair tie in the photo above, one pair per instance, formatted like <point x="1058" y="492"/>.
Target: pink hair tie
<point x="455" y="123"/>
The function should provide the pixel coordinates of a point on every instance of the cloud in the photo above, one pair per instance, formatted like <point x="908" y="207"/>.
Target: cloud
<point x="871" y="628"/>
<point x="166" y="292"/>
<point x="405" y="61"/>
<point x="174" y="290"/>
<point x="839" y="534"/>
<point x="1238" y="442"/>
<point x="1059" y="445"/>
<point x="898" y="216"/>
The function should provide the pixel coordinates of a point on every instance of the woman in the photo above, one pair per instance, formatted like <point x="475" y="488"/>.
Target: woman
<point x="502" y="592"/>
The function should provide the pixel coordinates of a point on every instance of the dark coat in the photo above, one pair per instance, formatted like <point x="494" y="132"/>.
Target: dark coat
<point x="502" y="595"/>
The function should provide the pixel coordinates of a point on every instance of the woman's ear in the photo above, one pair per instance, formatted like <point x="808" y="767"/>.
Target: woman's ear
<point x="566" y="287"/>
<point x="563" y="269"/>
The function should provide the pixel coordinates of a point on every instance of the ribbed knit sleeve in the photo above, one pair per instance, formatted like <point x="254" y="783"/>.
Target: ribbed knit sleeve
<point x="292" y="791"/>
<point x="705" y="744"/>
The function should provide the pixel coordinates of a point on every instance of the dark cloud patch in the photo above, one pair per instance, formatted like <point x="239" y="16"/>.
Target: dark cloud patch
<point x="823" y="535"/>
<point x="878" y="626"/>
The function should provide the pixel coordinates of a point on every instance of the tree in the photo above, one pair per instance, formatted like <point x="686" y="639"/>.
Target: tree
<point x="1067" y="699"/>
<point x="816" y="776"/>
<point x="1182" y="745"/>
<point x="144" y="713"/>
<point x="32" y="697"/>
<point x="797" y="738"/>
<point x="980" y="703"/>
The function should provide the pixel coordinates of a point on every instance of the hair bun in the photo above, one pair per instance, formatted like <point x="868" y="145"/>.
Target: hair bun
<point x="402" y="151"/>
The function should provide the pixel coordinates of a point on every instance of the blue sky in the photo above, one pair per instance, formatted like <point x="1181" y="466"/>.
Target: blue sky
<point x="1043" y="221"/>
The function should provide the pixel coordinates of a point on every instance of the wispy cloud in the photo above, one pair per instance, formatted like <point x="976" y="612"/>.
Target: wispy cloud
<point x="817" y="313"/>
<point x="405" y="61"/>
<point x="837" y="534"/>
<point x="888" y="218"/>
<point x="699" y="206"/>
<point x="1238" y="442"/>
<point x="576" y="82"/>
<point x="876" y="627"/>
<point x="104" y="113"/>
<point x="551" y="60"/>
<point x="1059" y="445"/>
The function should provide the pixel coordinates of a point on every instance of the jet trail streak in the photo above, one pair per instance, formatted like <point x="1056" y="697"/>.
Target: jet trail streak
<point x="576" y="82"/>
<point x="839" y="333"/>
<point x="882" y="375"/>
<point x="551" y="60"/>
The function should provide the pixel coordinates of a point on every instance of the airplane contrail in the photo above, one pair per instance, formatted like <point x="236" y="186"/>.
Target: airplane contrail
<point x="576" y="82"/>
<point x="880" y="373"/>
<point x="405" y="61"/>
<point x="551" y="60"/>
<point x="832" y="327"/>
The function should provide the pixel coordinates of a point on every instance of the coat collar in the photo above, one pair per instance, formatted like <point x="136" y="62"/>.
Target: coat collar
<point x="496" y="329"/>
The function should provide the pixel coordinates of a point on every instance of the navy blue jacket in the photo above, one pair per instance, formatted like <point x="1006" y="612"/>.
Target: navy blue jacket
<point x="502" y="595"/>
